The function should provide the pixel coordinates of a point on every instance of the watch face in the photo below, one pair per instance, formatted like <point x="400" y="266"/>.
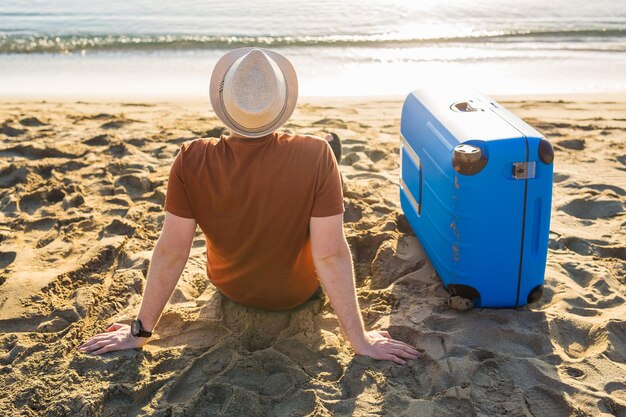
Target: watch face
<point x="134" y="328"/>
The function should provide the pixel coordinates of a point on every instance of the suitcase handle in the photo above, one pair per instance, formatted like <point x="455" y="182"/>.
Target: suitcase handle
<point x="463" y="106"/>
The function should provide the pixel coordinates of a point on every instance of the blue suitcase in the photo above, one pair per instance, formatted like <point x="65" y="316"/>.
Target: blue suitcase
<point x="476" y="187"/>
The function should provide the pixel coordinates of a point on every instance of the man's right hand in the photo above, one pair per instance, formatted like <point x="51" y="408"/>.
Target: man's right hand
<point x="333" y="261"/>
<point x="117" y="337"/>
<point x="380" y="345"/>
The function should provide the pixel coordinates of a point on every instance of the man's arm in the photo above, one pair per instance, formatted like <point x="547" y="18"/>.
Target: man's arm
<point x="168" y="261"/>
<point x="333" y="261"/>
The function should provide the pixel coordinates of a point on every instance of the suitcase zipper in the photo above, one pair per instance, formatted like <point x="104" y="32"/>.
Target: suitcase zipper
<point x="521" y="254"/>
<point x="521" y="171"/>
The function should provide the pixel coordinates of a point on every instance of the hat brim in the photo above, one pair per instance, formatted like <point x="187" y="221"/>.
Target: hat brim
<point x="217" y="77"/>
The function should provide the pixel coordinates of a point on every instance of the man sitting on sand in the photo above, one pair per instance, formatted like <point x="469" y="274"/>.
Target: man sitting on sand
<point x="270" y="205"/>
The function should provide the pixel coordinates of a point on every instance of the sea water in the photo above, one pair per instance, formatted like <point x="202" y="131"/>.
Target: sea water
<point x="160" y="48"/>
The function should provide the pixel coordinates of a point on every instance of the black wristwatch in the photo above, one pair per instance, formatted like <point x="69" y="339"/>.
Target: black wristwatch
<point x="137" y="330"/>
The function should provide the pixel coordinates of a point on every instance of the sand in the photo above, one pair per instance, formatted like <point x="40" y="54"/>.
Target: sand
<point x="81" y="195"/>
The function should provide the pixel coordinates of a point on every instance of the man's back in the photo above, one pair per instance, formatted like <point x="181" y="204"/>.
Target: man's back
<point x="271" y="208"/>
<point x="253" y="199"/>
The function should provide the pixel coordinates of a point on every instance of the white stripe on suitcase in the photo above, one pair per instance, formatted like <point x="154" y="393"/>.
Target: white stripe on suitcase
<point x="416" y="159"/>
<point x="409" y="195"/>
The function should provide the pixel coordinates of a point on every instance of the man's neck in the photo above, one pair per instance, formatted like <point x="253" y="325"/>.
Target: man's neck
<point x="234" y="135"/>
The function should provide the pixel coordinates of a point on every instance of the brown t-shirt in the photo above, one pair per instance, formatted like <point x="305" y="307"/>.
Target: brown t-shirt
<point x="253" y="199"/>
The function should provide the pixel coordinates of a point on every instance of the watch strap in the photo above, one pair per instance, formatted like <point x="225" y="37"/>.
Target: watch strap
<point x="142" y="332"/>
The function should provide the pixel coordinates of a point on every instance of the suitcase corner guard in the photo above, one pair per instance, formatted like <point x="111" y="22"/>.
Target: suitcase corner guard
<point x="468" y="159"/>
<point x="546" y="151"/>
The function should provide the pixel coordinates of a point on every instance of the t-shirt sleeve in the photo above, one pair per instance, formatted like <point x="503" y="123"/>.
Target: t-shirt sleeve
<point x="328" y="199"/>
<point x="176" y="198"/>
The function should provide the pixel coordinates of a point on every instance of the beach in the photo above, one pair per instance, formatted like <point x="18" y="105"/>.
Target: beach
<point x="82" y="187"/>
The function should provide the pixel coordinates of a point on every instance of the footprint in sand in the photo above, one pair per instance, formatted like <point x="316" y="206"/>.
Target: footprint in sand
<point x="579" y="273"/>
<point x="303" y="401"/>
<point x="557" y="178"/>
<point x="135" y="185"/>
<point x="575" y="244"/>
<point x="335" y="123"/>
<point x="76" y="200"/>
<point x="254" y="373"/>
<point x="45" y="170"/>
<point x="119" y="227"/>
<point x="393" y="260"/>
<point x="354" y="145"/>
<point x="12" y="175"/>
<point x="189" y="382"/>
<point x="354" y="213"/>
<point x="10" y="131"/>
<point x="574" y="372"/>
<point x="618" y="252"/>
<point x="354" y="157"/>
<point x="116" y="124"/>
<point x="117" y="149"/>
<point x="214" y="132"/>
<point x="573" y="144"/>
<point x="6" y="259"/>
<point x="602" y="287"/>
<point x="363" y="161"/>
<point x="546" y="402"/>
<point x="616" y="351"/>
<point x="42" y="225"/>
<point x="266" y="328"/>
<point x="593" y="300"/>
<point x="605" y="187"/>
<point x="32" y="122"/>
<point x="47" y="239"/>
<point x="53" y="326"/>
<point x="13" y="349"/>
<point x="577" y="337"/>
<point x="610" y="405"/>
<point x="488" y="374"/>
<point x="38" y="152"/>
<point x="138" y="142"/>
<point x="118" y="201"/>
<point x="100" y="140"/>
<point x="593" y="209"/>
<point x="123" y="168"/>
<point x="376" y="155"/>
<point x="584" y="312"/>
<point x="253" y="381"/>
<point x="99" y="116"/>
<point x="364" y="248"/>
<point x="32" y="202"/>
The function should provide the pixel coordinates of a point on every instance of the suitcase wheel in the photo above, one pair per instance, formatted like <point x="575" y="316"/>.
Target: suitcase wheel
<point x="464" y="291"/>
<point x="462" y="297"/>
<point x="459" y="303"/>
<point x="535" y="294"/>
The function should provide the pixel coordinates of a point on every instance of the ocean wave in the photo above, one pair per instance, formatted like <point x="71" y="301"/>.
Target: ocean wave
<point x="24" y="44"/>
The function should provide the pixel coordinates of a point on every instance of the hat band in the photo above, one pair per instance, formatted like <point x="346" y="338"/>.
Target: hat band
<point x="257" y="129"/>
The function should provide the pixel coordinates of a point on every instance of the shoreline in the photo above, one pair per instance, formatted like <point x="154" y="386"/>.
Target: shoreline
<point x="134" y="99"/>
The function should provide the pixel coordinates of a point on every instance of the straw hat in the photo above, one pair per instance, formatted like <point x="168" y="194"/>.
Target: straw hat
<point x="253" y="91"/>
